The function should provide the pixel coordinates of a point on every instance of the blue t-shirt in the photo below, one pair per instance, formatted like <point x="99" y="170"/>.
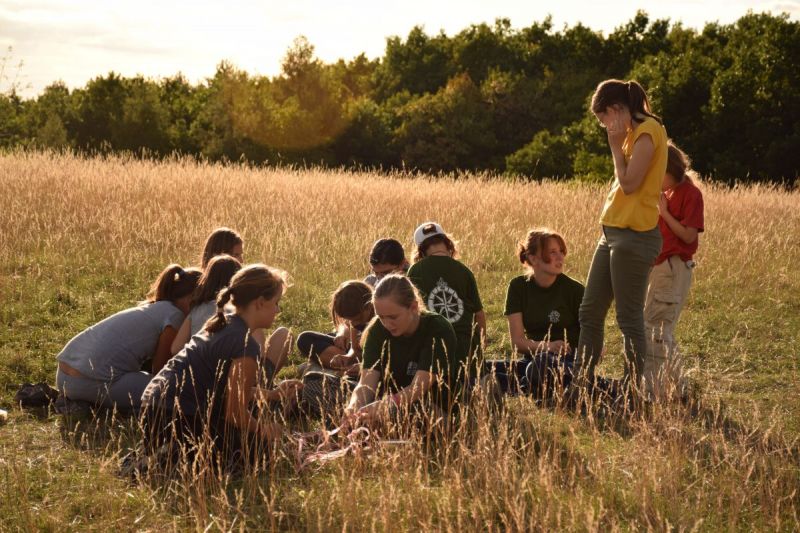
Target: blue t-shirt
<point x="195" y="379"/>
<point x="121" y="343"/>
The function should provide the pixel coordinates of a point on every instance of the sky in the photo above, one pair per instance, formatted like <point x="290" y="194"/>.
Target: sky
<point x="76" y="40"/>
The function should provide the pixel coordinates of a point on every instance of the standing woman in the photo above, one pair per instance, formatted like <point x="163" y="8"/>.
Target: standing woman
<point x="631" y="240"/>
<point x="102" y="365"/>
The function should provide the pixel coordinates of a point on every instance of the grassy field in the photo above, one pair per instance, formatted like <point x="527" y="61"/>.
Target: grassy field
<point x="83" y="238"/>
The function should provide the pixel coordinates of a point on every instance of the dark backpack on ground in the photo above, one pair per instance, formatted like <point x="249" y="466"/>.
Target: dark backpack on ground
<point x="35" y="395"/>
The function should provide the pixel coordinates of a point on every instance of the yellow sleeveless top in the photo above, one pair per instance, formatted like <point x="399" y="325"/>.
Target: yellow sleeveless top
<point x="639" y="210"/>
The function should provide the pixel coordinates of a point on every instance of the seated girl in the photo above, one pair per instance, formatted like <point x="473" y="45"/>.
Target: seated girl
<point x="217" y="275"/>
<point x="208" y="389"/>
<point x="222" y="241"/>
<point x="102" y="365"/>
<point x="408" y="353"/>
<point x="386" y="257"/>
<point x="542" y="304"/>
<point x="351" y="311"/>
<point x="448" y="287"/>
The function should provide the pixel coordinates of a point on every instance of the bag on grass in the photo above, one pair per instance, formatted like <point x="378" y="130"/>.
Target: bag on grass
<point x="325" y="393"/>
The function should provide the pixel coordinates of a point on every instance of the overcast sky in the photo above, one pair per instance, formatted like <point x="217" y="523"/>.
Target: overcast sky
<point x="76" y="40"/>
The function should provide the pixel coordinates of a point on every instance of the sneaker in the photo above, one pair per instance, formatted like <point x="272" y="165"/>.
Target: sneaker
<point x="72" y="408"/>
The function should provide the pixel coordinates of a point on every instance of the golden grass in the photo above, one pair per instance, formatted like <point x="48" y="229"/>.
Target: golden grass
<point x="82" y="238"/>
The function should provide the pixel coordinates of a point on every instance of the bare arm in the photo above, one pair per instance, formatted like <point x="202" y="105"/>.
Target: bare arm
<point x="182" y="337"/>
<point x="240" y="389"/>
<point x="163" y="354"/>
<point x="684" y="233"/>
<point x="522" y="343"/>
<point x="480" y="319"/>
<point x="364" y="392"/>
<point x="631" y="174"/>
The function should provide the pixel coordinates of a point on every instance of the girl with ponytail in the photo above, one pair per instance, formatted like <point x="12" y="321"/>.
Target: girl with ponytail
<point x="210" y="386"/>
<point x="630" y="241"/>
<point x="103" y="364"/>
<point x="217" y="275"/>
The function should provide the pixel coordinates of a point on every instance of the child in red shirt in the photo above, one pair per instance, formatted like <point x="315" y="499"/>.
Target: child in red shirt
<point x="680" y="221"/>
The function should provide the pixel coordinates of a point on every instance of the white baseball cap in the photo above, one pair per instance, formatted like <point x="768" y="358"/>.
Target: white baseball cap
<point x="426" y="231"/>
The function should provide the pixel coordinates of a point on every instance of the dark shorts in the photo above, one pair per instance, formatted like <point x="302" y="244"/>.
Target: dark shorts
<point x="313" y="343"/>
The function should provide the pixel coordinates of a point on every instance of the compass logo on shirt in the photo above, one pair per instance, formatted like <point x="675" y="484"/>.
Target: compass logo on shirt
<point x="554" y="316"/>
<point x="444" y="300"/>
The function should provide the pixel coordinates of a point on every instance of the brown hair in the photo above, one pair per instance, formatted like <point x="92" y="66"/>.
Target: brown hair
<point x="627" y="93"/>
<point x="421" y="250"/>
<point x="218" y="274"/>
<point x="400" y="289"/>
<point x="173" y="283"/>
<point x="246" y="285"/>
<point x="221" y="241"/>
<point x="678" y="163"/>
<point x="350" y="299"/>
<point x="535" y="243"/>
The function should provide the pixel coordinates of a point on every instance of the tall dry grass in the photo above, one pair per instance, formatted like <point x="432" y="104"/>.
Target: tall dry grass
<point x="82" y="238"/>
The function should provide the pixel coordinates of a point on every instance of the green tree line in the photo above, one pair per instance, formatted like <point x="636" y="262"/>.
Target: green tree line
<point x="490" y="98"/>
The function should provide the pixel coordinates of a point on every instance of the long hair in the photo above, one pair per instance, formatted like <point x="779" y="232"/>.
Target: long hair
<point x="173" y="283"/>
<point x="251" y="282"/>
<point x="350" y="300"/>
<point x="221" y="241"/>
<point x="217" y="275"/>
<point x="400" y="289"/>
<point x="627" y="93"/>
<point x="535" y="243"/>
<point x="679" y="164"/>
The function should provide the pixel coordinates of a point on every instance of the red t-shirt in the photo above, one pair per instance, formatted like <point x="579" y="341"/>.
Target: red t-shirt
<point x="685" y="203"/>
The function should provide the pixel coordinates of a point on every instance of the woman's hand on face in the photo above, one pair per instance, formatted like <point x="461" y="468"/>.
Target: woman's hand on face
<point x="617" y="130"/>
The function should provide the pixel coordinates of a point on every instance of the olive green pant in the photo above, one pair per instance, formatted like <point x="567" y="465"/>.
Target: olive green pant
<point x="619" y="273"/>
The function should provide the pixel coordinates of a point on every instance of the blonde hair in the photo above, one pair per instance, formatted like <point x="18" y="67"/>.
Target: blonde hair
<point x="400" y="289"/>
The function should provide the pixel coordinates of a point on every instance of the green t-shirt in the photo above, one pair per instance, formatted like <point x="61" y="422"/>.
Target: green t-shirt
<point x="449" y="289"/>
<point x="552" y="311"/>
<point x="432" y="347"/>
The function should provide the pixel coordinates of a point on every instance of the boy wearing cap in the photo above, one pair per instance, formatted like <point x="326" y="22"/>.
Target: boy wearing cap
<point x="449" y="288"/>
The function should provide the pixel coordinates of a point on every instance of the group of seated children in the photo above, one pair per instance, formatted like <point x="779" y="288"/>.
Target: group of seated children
<point x="193" y="359"/>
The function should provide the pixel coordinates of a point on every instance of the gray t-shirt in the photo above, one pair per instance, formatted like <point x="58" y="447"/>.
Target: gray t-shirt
<point x="199" y="314"/>
<point x="121" y="343"/>
<point x="195" y="379"/>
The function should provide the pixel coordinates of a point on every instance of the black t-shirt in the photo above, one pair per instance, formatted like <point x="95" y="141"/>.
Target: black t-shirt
<point x="195" y="379"/>
<point x="547" y="311"/>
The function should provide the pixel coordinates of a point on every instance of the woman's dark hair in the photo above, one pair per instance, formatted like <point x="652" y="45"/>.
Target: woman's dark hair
<point x="422" y="249"/>
<point x="221" y="241"/>
<point x="217" y="275"/>
<point x="350" y="300"/>
<point x="535" y="243"/>
<point x="388" y="251"/>
<point x="678" y="163"/>
<point x="400" y="289"/>
<point x="173" y="283"/>
<point x="246" y="285"/>
<point x="627" y="93"/>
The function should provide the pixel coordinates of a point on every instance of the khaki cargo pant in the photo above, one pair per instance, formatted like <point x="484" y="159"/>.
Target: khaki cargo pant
<point x="666" y="294"/>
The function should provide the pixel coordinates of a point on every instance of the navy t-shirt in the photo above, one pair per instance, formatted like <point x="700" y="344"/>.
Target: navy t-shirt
<point x="195" y="379"/>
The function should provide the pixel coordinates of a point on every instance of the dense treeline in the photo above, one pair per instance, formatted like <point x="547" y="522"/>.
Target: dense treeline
<point x="489" y="98"/>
